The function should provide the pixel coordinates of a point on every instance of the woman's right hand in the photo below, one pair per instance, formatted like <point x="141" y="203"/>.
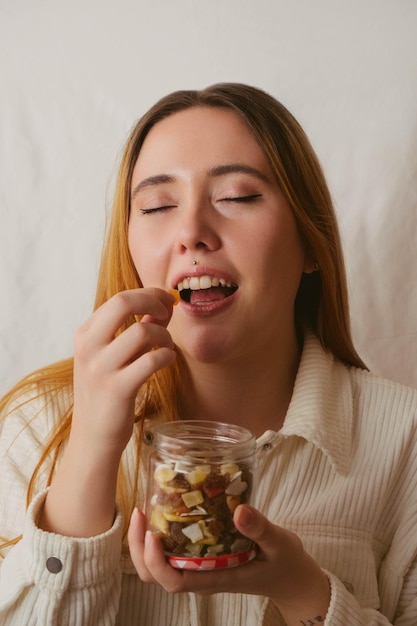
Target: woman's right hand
<point x="109" y="368"/>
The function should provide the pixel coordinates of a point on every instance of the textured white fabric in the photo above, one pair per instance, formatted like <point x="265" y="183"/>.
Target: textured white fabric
<point x="340" y="473"/>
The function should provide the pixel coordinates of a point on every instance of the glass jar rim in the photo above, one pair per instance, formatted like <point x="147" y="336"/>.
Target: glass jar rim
<point x="200" y="440"/>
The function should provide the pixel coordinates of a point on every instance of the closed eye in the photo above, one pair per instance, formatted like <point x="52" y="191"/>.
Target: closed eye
<point x="250" y="198"/>
<point x="164" y="207"/>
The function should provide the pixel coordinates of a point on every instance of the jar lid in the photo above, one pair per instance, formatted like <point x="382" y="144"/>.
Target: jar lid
<point x="210" y="563"/>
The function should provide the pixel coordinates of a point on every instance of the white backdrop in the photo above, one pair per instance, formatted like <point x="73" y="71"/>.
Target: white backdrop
<point x="76" y="74"/>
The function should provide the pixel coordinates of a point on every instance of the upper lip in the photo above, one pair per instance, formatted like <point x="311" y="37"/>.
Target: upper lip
<point x="202" y="271"/>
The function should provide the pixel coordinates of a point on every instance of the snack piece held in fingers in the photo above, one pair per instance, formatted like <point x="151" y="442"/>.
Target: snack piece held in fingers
<point x="176" y="294"/>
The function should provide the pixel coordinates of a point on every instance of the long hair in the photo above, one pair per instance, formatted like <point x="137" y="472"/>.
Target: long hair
<point x="322" y="300"/>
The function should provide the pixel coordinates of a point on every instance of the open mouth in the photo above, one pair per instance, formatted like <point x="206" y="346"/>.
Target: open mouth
<point x="203" y="289"/>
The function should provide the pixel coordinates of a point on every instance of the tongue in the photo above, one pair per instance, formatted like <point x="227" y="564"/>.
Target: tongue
<point x="207" y="295"/>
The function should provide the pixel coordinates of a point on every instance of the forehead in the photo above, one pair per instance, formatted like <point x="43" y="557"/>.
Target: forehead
<point x="199" y="137"/>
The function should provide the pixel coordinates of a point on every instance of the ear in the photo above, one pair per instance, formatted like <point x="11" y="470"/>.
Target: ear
<point x="310" y="264"/>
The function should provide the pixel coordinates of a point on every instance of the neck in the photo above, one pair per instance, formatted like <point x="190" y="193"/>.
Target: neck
<point x="253" y="393"/>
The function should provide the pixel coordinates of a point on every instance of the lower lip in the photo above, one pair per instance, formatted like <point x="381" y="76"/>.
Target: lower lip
<point x="206" y="309"/>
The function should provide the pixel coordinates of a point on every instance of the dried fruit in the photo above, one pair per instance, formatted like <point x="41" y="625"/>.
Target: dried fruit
<point x="198" y="474"/>
<point x="159" y="521"/>
<point x="229" y="468"/>
<point x="192" y="498"/>
<point x="215" y="550"/>
<point x="214" y="484"/>
<point x="236" y="486"/>
<point x="183" y="518"/>
<point x="175" y="530"/>
<point x="164" y="473"/>
<point x="179" y="482"/>
<point x="193" y="532"/>
<point x="232" y="502"/>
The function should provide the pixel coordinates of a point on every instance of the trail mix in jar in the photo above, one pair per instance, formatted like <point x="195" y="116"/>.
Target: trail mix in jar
<point x="192" y="507"/>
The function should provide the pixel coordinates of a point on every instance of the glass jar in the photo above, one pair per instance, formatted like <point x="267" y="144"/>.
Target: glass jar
<point x="199" y="472"/>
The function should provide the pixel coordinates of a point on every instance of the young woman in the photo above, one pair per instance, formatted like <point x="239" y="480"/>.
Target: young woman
<point x="219" y="195"/>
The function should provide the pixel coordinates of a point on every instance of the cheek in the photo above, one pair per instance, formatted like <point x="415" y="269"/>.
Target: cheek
<point x="133" y="245"/>
<point x="277" y="257"/>
<point x="277" y="243"/>
<point x="138" y="252"/>
<point x="148" y="256"/>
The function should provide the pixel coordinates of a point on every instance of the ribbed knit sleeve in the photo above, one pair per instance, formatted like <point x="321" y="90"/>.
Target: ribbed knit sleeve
<point x="345" y="609"/>
<point x="47" y="579"/>
<point x="50" y="580"/>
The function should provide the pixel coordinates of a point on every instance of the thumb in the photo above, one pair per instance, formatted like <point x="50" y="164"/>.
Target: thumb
<point x="272" y="540"/>
<point x="254" y="525"/>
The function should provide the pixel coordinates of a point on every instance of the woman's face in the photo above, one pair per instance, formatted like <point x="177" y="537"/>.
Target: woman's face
<point x="207" y="216"/>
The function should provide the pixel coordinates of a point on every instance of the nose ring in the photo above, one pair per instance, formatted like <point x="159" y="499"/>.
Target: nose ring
<point x="194" y="262"/>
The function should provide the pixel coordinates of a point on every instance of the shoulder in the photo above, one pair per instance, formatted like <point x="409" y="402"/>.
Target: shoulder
<point x="387" y="410"/>
<point x="381" y="391"/>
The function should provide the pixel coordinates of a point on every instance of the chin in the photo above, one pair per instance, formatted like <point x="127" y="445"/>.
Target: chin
<point x="207" y="354"/>
<point x="210" y="348"/>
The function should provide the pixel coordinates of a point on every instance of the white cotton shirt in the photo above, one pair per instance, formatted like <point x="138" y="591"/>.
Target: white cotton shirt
<point x="341" y="473"/>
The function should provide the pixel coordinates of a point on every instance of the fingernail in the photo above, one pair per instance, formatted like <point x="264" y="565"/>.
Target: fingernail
<point x="246" y="516"/>
<point x="148" y="536"/>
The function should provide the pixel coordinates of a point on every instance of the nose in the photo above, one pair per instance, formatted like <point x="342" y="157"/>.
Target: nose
<point x="198" y="227"/>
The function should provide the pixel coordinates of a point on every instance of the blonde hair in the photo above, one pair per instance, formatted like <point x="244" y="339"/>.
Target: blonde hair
<point x="322" y="300"/>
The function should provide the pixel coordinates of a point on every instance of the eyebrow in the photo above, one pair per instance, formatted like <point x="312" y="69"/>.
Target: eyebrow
<point x="238" y="168"/>
<point x="151" y="181"/>
<point x="216" y="171"/>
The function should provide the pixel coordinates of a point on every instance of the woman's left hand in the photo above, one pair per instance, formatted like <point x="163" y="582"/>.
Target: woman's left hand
<point x="282" y="570"/>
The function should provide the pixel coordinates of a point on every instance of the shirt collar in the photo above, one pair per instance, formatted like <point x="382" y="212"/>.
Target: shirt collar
<point x="321" y="407"/>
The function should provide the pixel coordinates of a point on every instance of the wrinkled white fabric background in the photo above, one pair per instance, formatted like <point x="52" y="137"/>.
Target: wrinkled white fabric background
<point x="74" y="76"/>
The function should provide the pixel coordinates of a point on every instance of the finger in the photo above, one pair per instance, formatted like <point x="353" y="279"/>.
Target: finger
<point x="175" y="580"/>
<point x="107" y="319"/>
<point x="176" y="300"/>
<point x="136" y="540"/>
<point x="142" y="368"/>
<point x="134" y="342"/>
<point x="253" y="524"/>
<point x="171" y="579"/>
<point x="147" y="553"/>
<point x="269" y="537"/>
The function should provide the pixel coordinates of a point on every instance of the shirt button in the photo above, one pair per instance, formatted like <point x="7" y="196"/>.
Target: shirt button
<point x="267" y="446"/>
<point x="148" y="438"/>
<point x="53" y="565"/>
<point x="349" y="587"/>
